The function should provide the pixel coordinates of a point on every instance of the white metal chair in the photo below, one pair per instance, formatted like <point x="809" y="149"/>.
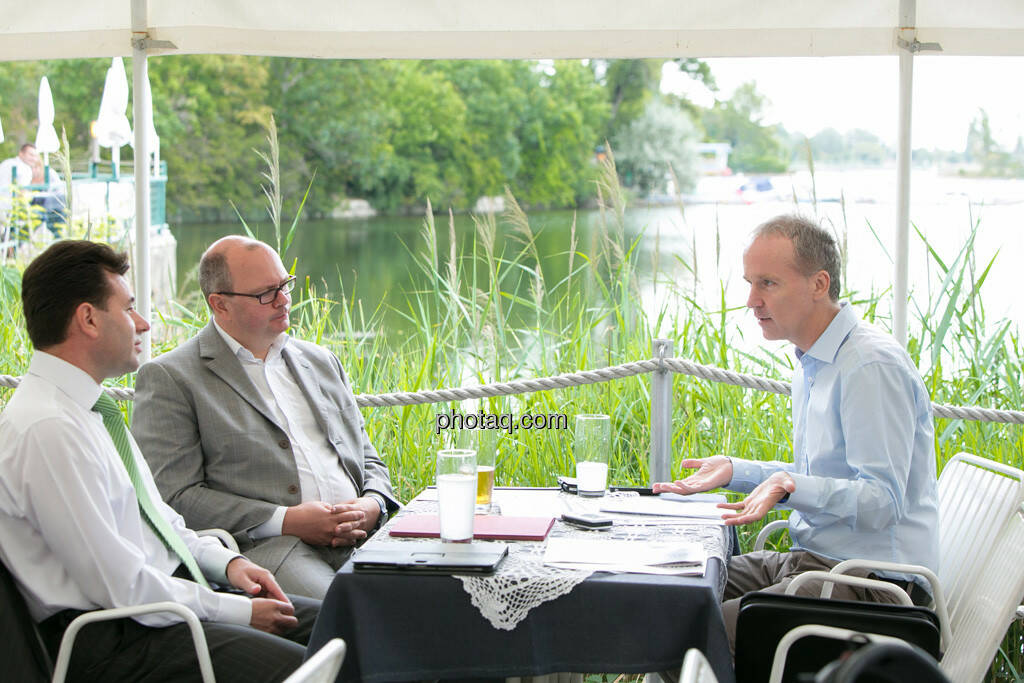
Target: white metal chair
<point x="322" y="667"/>
<point x="696" y="668"/>
<point x="980" y="581"/>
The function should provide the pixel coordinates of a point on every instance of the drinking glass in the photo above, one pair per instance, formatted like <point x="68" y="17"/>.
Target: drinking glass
<point x="592" y="451"/>
<point x="486" y="459"/>
<point x="456" y="493"/>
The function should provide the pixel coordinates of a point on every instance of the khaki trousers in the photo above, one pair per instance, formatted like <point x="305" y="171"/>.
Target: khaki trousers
<point x="770" y="571"/>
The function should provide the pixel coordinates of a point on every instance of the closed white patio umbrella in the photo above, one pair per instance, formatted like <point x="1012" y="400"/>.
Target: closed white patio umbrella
<point x="46" y="135"/>
<point x="112" y="127"/>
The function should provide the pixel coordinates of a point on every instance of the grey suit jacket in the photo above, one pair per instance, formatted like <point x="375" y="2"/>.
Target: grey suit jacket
<point x="219" y="456"/>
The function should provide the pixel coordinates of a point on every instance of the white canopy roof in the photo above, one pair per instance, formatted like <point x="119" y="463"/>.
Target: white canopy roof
<point x="510" y="28"/>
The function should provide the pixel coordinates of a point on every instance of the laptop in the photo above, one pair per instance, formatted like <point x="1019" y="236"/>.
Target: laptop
<point x="431" y="558"/>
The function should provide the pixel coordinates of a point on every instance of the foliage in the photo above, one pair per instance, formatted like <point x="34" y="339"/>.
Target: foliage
<point x="856" y="147"/>
<point x="662" y="137"/>
<point x="755" y="146"/>
<point x="985" y="152"/>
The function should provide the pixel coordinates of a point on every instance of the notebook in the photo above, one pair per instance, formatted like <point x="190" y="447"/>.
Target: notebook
<point x="430" y="558"/>
<point x="485" y="527"/>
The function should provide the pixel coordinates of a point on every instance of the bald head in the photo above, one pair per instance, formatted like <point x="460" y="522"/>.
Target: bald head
<point x="215" y="264"/>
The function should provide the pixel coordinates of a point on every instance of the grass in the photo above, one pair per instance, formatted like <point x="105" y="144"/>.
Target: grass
<point x="496" y="311"/>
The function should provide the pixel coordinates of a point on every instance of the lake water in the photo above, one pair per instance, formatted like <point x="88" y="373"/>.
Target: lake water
<point x="374" y="260"/>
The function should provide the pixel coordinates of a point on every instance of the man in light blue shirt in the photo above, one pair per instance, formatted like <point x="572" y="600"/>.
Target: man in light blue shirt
<point x="862" y="482"/>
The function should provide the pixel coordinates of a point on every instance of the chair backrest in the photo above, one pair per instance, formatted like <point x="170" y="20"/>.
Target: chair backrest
<point x="976" y="497"/>
<point x="696" y="668"/>
<point x="988" y="605"/>
<point x="21" y="651"/>
<point x="323" y="666"/>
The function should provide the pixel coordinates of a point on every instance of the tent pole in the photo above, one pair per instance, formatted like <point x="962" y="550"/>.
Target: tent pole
<point x="899" y="316"/>
<point x="140" y="104"/>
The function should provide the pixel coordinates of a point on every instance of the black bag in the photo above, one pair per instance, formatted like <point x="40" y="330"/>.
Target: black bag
<point x="883" y="663"/>
<point x="21" y="652"/>
<point x="764" y="618"/>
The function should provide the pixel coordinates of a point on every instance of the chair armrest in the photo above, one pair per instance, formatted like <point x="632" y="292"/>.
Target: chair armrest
<point x="223" y="536"/>
<point x="829" y="578"/>
<point x="1020" y="612"/>
<point x="767" y="530"/>
<point x="939" y="597"/>
<point x="60" y="670"/>
<point x="782" y="650"/>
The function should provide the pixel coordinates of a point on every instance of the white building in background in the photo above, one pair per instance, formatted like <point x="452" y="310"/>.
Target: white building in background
<point x="713" y="158"/>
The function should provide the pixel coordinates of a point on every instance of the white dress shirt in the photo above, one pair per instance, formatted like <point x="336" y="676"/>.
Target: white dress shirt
<point x="71" y="531"/>
<point x="321" y="476"/>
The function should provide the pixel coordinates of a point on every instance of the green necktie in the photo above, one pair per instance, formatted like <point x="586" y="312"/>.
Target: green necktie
<point x="114" y="422"/>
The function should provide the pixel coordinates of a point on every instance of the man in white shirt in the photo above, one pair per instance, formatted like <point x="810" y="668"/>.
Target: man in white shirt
<point x="256" y="432"/>
<point x="82" y="526"/>
<point x="21" y="169"/>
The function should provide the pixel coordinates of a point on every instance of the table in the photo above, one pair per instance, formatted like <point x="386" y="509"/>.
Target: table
<point x="401" y="627"/>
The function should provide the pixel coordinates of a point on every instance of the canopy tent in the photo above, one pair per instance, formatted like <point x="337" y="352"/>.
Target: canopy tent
<point x="526" y="29"/>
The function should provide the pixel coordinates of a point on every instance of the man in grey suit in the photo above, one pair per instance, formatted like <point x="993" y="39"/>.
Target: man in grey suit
<point x="250" y="430"/>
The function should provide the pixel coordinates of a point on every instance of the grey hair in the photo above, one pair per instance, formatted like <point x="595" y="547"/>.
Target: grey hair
<point x="814" y="247"/>
<point x="214" y="275"/>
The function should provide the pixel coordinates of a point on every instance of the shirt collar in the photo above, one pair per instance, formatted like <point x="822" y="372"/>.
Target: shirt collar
<point x="79" y="386"/>
<point x="827" y="345"/>
<point x="245" y="354"/>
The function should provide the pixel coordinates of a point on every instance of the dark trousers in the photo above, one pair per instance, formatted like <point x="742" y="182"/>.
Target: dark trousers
<point x="125" y="650"/>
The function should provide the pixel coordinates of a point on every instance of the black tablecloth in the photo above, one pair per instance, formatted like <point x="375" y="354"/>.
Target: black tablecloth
<point x="406" y="628"/>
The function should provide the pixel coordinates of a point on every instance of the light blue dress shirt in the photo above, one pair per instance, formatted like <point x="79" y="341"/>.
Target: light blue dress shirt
<point x="863" y="450"/>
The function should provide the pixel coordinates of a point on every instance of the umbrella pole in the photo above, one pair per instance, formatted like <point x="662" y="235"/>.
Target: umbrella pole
<point x="140" y="106"/>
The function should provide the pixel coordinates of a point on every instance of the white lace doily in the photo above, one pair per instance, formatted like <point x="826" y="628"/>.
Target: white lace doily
<point x="523" y="582"/>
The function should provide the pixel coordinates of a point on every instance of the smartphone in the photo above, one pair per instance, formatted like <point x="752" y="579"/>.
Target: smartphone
<point x="587" y="520"/>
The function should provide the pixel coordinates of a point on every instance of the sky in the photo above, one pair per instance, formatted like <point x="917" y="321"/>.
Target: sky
<point x="807" y="94"/>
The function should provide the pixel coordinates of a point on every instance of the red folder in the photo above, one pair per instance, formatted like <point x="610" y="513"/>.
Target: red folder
<point x="485" y="527"/>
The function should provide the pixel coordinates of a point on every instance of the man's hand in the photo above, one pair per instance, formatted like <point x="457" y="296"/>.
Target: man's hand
<point x="370" y="510"/>
<point x="273" y="616"/>
<point x="711" y="473"/>
<point x="760" y="501"/>
<point x="254" y="580"/>
<point x="319" y="523"/>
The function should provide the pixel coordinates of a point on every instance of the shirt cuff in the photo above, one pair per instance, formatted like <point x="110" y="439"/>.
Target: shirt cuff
<point x="271" y="527"/>
<point x="746" y="475"/>
<point x="383" y="503"/>
<point x="234" y="609"/>
<point x="214" y="562"/>
<point x="805" y="497"/>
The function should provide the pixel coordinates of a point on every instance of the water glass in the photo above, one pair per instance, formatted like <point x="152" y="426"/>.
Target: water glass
<point x="456" y="493"/>
<point x="592" y="451"/>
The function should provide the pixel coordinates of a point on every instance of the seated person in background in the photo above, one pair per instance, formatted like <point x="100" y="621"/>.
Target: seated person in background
<point x="253" y="431"/>
<point x="21" y="169"/>
<point x="862" y="481"/>
<point x="82" y="525"/>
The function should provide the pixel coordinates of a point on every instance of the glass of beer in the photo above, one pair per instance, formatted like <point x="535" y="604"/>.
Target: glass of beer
<point x="456" y="488"/>
<point x="486" y="459"/>
<point x="592" y="451"/>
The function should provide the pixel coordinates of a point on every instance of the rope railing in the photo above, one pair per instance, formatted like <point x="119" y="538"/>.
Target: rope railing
<point x="583" y="377"/>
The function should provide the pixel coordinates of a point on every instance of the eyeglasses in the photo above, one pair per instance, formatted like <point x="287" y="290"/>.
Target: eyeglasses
<point x="268" y="296"/>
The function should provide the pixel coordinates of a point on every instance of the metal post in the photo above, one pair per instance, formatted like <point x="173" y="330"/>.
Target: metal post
<point x="661" y="415"/>
<point x="140" y="105"/>
<point x="900" y="286"/>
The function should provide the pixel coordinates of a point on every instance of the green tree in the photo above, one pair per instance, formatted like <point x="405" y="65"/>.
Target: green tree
<point x="828" y="145"/>
<point x="755" y="146"/>
<point x="663" y="135"/>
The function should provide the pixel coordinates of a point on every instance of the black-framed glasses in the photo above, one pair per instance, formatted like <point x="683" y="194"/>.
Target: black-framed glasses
<point x="268" y="296"/>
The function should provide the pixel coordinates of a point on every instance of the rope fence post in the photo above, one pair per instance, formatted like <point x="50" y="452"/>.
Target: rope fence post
<point x="661" y="413"/>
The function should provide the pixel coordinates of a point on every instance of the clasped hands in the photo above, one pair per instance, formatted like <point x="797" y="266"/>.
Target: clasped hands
<point x="272" y="611"/>
<point x="715" y="472"/>
<point x="340" y="524"/>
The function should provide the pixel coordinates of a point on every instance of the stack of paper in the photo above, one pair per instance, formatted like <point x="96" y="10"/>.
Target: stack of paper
<point x="638" y="557"/>
<point x="699" y="511"/>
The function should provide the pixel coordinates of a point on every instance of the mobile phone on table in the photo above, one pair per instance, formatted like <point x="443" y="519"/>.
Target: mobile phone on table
<point x="587" y="520"/>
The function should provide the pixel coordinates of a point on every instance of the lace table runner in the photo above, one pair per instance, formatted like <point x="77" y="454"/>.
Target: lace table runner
<point x="523" y="582"/>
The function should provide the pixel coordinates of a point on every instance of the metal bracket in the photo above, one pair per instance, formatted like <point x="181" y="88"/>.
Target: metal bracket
<point x="150" y="44"/>
<point x="915" y="45"/>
